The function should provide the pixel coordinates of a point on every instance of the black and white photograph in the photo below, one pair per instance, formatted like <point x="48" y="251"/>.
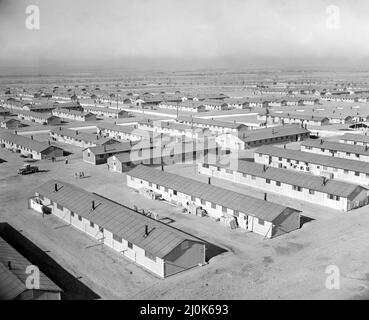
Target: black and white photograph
<point x="196" y="152"/>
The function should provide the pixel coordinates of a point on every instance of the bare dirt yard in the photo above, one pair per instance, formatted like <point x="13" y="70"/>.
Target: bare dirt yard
<point x="291" y="266"/>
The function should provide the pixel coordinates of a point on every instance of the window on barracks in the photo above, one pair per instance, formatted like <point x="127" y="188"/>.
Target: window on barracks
<point x="130" y="245"/>
<point x="92" y="225"/>
<point x="150" y="256"/>
<point x="117" y="238"/>
<point x="261" y="222"/>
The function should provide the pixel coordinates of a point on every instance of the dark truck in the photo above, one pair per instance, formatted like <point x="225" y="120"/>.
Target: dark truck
<point x="28" y="169"/>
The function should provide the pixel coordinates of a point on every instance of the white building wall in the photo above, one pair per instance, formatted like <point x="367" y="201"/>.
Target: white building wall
<point x="216" y="213"/>
<point x="339" y="154"/>
<point x="284" y="189"/>
<point x="135" y="253"/>
<point x="316" y="169"/>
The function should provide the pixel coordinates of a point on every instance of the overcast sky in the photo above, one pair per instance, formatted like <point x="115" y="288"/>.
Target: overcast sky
<point x="221" y="31"/>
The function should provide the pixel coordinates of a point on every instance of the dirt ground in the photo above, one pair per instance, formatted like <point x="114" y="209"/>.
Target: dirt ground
<point x="292" y="266"/>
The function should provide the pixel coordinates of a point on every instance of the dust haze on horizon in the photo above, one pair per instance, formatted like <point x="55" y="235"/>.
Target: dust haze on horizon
<point x="184" y="34"/>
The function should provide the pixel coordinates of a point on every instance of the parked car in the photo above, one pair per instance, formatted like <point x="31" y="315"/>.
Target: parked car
<point x="28" y="169"/>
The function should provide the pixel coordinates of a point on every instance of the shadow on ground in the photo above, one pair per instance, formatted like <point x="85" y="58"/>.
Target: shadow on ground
<point x="73" y="289"/>
<point x="305" y="219"/>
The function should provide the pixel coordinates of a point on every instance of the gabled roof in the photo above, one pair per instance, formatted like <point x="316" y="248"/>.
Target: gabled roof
<point x="157" y="151"/>
<point x="39" y="115"/>
<point x="301" y="116"/>
<point x="104" y="109"/>
<point x="268" y="133"/>
<point x="73" y="112"/>
<point x="309" y="157"/>
<point x="41" y="107"/>
<point x="265" y="210"/>
<point x="355" y="137"/>
<point x="111" y="148"/>
<point x="87" y="137"/>
<point x="170" y="125"/>
<point x="116" y="218"/>
<point x="145" y="134"/>
<point x="11" y="121"/>
<point x="336" y="146"/>
<point x="304" y="180"/>
<point x="211" y="122"/>
<point x="10" y="285"/>
<point x="18" y="271"/>
<point x="68" y="105"/>
<point x="25" y="142"/>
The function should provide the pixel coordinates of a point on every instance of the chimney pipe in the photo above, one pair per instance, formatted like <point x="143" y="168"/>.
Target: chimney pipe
<point x="56" y="187"/>
<point x="9" y="265"/>
<point x="324" y="181"/>
<point x="146" y="230"/>
<point x="93" y="205"/>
